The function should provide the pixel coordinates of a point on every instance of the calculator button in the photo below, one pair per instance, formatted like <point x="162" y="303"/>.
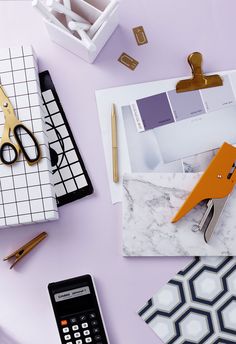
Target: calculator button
<point x="64" y="322"/>
<point x="94" y="322"/>
<point x="86" y="333"/>
<point x="79" y="341"/>
<point x="84" y="325"/>
<point x="96" y="330"/>
<point x="69" y="343"/>
<point x="73" y="320"/>
<point x="75" y="327"/>
<point x="92" y="315"/>
<point x="67" y="337"/>
<point x="65" y="330"/>
<point x="88" y="340"/>
<point x="82" y="317"/>
<point x="77" y="334"/>
<point x="98" y="337"/>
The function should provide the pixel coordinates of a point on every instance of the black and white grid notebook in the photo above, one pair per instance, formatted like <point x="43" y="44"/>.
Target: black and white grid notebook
<point x="70" y="177"/>
<point x="26" y="192"/>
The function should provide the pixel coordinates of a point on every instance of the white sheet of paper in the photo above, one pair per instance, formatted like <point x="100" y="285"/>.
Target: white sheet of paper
<point x="122" y="96"/>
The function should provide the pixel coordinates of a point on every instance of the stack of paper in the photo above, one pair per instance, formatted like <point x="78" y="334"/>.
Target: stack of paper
<point x="26" y="192"/>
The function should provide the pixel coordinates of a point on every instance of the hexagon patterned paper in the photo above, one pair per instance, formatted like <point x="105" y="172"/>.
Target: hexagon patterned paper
<point x="198" y="306"/>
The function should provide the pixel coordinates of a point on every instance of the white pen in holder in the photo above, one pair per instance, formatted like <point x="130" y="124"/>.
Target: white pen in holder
<point x="102" y="15"/>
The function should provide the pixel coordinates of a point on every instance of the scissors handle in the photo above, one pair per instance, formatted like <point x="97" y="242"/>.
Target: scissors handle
<point x="11" y="148"/>
<point x="16" y="130"/>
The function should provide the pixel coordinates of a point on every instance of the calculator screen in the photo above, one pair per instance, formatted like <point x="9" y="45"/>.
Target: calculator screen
<point x="71" y="294"/>
<point x="73" y="300"/>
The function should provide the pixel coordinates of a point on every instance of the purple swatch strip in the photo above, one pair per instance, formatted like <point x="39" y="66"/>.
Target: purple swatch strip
<point x="186" y="104"/>
<point x="169" y="107"/>
<point x="155" y="111"/>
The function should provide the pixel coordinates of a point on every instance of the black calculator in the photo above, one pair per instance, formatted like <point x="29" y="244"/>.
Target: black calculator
<point x="77" y="311"/>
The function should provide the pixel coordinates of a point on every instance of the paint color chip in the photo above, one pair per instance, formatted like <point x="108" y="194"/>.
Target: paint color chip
<point x="186" y="104"/>
<point x="140" y="35"/>
<point x="216" y="98"/>
<point x="128" y="61"/>
<point x="155" y="111"/>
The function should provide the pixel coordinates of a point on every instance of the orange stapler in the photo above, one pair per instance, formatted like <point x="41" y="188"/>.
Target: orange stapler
<point x="214" y="186"/>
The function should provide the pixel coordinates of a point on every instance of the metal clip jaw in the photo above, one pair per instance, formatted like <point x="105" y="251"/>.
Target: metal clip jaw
<point x="199" y="80"/>
<point x="215" y="185"/>
<point x="25" y="249"/>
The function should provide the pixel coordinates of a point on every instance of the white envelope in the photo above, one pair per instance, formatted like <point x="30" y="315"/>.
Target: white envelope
<point x="199" y="134"/>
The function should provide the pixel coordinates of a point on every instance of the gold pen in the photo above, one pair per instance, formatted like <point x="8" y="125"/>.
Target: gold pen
<point x="114" y="145"/>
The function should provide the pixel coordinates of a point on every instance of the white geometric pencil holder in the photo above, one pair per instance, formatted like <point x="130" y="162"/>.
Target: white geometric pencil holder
<point x="90" y="10"/>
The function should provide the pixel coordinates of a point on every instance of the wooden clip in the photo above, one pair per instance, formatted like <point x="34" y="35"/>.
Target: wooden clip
<point x="199" y="80"/>
<point x="25" y="249"/>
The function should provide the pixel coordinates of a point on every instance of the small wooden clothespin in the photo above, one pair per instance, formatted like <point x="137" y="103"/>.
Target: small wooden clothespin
<point x="25" y="249"/>
<point x="199" y="80"/>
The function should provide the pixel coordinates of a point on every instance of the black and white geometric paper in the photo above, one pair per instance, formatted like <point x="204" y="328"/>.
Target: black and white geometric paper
<point x="70" y="177"/>
<point x="198" y="306"/>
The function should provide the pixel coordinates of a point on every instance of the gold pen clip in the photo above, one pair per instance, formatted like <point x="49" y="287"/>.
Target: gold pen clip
<point x="25" y="249"/>
<point x="199" y="80"/>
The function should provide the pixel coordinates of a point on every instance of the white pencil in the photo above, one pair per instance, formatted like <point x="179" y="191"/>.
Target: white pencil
<point x="67" y="4"/>
<point x="45" y="12"/>
<point x="74" y="26"/>
<point x="105" y="14"/>
<point x="56" y="6"/>
<point x="83" y="35"/>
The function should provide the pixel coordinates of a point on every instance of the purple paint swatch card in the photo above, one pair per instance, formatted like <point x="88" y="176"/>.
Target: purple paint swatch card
<point x="219" y="97"/>
<point x="186" y="104"/>
<point x="169" y="107"/>
<point x="154" y="111"/>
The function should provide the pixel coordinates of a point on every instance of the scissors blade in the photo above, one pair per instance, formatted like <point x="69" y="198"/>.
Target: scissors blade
<point x="3" y="96"/>
<point x="5" y="103"/>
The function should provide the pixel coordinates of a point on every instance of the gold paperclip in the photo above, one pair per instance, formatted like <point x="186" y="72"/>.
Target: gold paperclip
<point x="140" y="35"/>
<point x="25" y="249"/>
<point x="199" y="80"/>
<point x="128" y="61"/>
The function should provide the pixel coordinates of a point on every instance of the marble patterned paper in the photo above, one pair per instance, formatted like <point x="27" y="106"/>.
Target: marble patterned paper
<point x="197" y="306"/>
<point x="151" y="200"/>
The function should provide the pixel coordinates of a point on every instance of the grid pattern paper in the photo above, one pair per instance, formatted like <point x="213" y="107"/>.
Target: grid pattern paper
<point x="198" y="305"/>
<point x="70" y="177"/>
<point x="26" y="192"/>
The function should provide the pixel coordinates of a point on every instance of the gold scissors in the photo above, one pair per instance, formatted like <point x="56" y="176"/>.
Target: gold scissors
<point x="10" y="151"/>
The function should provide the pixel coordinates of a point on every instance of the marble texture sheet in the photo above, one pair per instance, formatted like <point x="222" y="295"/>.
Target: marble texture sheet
<point x="198" y="305"/>
<point x="151" y="200"/>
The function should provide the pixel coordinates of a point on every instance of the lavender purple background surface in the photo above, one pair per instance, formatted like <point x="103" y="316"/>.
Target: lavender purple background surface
<point x="87" y="238"/>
